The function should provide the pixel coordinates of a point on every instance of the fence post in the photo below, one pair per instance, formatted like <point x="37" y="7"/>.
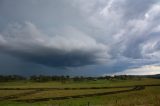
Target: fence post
<point x="116" y="101"/>
<point x="88" y="104"/>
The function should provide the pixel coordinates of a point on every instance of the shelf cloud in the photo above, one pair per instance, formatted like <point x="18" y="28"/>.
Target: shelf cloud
<point x="72" y="49"/>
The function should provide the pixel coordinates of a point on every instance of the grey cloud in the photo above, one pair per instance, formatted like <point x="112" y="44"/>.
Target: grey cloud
<point x="133" y="36"/>
<point x="136" y="8"/>
<point x="44" y="13"/>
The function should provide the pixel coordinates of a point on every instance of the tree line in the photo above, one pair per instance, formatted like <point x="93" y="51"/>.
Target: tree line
<point x="45" y="78"/>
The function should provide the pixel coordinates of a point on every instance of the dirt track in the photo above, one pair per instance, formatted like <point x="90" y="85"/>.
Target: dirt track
<point x="82" y="88"/>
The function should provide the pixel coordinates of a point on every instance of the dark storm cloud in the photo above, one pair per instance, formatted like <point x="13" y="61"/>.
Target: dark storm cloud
<point x="28" y="43"/>
<point x="57" y="58"/>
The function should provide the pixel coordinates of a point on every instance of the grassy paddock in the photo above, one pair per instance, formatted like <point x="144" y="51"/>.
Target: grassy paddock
<point x="73" y="84"/>
<point x="150" y="96"/>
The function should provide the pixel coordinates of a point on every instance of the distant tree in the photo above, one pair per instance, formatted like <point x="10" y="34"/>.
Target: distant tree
<point x="11" y="78"/>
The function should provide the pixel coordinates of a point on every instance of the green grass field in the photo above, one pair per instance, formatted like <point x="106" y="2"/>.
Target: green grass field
<point x="26" y="93"/>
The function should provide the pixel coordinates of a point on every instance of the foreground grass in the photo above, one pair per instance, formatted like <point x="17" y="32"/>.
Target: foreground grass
<point x="150" y="96"/>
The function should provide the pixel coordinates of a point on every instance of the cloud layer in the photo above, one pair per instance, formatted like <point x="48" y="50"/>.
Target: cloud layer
<point x="111" y="35"/>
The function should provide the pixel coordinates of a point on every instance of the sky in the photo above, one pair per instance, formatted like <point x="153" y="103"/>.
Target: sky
<point x="79" y="37"/>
